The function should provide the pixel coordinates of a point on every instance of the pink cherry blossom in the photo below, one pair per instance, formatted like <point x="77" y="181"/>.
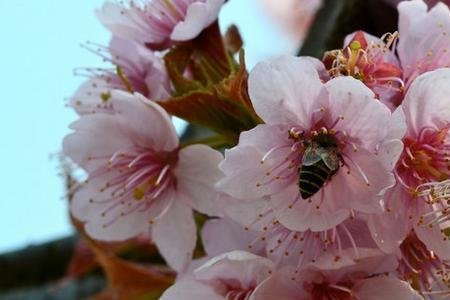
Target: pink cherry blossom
<point x="415" y="202"/>
<point x="294" y="248"/>
<point x="136" y="69"/>
<point x="230" y="276"/>
<point x="371" y="60"/>
<point x="424" y="38"/>
<point x="140" y="178"/>
<point x="299" y="110"/>
<point x="343" y="278"/>
<point x="158" y="23"/>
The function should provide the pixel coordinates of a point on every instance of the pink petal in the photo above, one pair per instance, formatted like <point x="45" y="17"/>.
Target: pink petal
<point x="423" y="40"/>
<point x="390" y="228"/>
<point x="123" y="23"/>
<point x="435" y="240"/>
<point x="88" y="98"/>
<point x="190" y="289"/>
<point x="409" y="13"/>
<point x="397" y="125"/>
<point x="285" y="91"/>
<point x="197" y="172"/>
<point x="236" y="266"/>
<point x="304" y="215"/>
<point x="390" y="152"/>
<point x="97" y="135"/>
<point x="242" y="165"/>
<point x="427" y="102"/>
<point x="145" y="70"/>
<point x="351" y="100"/>
<point x="112" y="221"/>
<point x="175" y="235"/>
<point x="280" y="287"/>
<point x="243" y="211"/>
<point x="384" y="288"/>
<point x="364" y="262"/>
<point x="223" y="235"/>
<point x="358" y="193"/>
<point x="199" y="15"/>
<point x="150" y="125"/>
<point x="124" y="228"/>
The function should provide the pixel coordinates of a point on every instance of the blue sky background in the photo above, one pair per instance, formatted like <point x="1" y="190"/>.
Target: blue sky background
<point x="39" y="50"/>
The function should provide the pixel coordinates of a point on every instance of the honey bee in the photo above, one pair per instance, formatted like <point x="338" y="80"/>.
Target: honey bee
<point x="320" y="162"/>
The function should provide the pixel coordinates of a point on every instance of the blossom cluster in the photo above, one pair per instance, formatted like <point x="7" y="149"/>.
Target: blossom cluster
<point x="322" y="179"/>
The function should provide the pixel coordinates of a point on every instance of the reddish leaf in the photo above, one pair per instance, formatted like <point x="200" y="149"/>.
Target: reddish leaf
<point x="130" y="280"/>
<point x="224" y="107"/>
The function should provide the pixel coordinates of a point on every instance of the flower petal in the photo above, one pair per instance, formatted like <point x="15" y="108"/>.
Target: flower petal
<point x="92" y="97"/>
<point x="189" y="289"/>
<point x="223" y="235"/>
<point x="98" y="135"/>
<point x="199" y="15"/>
<point x="304" y="215"/>
<point x="362" y="187"/>
<point x="197" y="172"/>
<point x="353" y="106"/>
<point x="427" y="102"/>
<point x="390" y="228"/>
<point x="280" y="287"/>
<point x="435" y="240"/>
<point x="386" y="288"/>
<point x="124" y="23"/>
<point x="242" y="165"/>
<point x="243" y="267"/>
<point x="285" y="90"/>
<point x="175" y="235"/>
<point x="150" y="125"/>
<point x="109" y="221"/>
<point x="423" y="45"/>
<point x="409" y="13"/>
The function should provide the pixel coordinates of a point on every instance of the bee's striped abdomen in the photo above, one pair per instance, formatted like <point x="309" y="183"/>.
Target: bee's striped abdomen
<point x="312" y="178"/>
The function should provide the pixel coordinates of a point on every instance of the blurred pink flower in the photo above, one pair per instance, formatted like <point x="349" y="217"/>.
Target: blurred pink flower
<point x="345" y="277"/>
<point x="303" y="114"/>
<point x="294" y="16"/>
<point x="230" y="276"/>
<point x="139" y="178"/>
<point x="158" y="23"/>
<point x="428" y="2"/>
<point x="137" y="69"/>
<point x="424" y="38"/>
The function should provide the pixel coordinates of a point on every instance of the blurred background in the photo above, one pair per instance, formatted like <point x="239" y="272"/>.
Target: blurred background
<point x="41" y="48"/>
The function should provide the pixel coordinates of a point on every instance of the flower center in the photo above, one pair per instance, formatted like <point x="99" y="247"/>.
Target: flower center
<point x="367" y="61"/>
<point x="134" y="179"/>
<point x="238" y="294"/>
<point x="339" y="291"/>
<point x="425" y="159"/>
<point x="421" y="266"/>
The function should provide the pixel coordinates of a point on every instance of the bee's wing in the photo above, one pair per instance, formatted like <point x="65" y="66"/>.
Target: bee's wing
<point x="330" y="158"/>
<point x="310" y="156"/>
